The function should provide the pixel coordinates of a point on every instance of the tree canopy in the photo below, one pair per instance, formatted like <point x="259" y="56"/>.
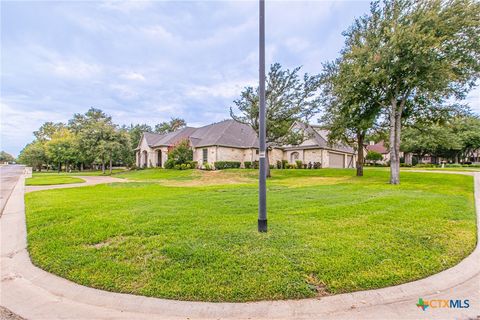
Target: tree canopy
<point x="413" y="57"/>
<point x="289" y="97"/>
<point x="170" y="126"/>
<point x="6" y="157"/>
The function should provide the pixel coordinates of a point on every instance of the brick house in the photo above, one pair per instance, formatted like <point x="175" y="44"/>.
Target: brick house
<point x="230" y="140"/>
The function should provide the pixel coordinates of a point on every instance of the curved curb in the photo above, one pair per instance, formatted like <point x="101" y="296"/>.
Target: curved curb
<point x="36" y="294"/>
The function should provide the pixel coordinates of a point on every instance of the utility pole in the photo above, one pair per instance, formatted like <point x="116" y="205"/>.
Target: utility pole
<point x="262" y="183"/>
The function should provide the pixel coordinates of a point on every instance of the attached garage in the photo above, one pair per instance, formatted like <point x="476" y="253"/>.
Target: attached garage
<point x="350" y="163"/>
<point x="336" y="160"/>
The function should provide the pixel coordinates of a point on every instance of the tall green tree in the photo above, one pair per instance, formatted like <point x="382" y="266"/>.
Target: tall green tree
<point x="62" y="148"/>
<point x="170" y="126"/>
<point x="6" y="157"/>
<point x="434" y="140"/>
<point x="135" y="132"/>
<point x="350" y="107"/>
<point x="47" y="130"/>
<point x="34" y="155"/>
<point x="93" y="129"/>
<point x="417" y="54"/>
<point x="289" y="98"/>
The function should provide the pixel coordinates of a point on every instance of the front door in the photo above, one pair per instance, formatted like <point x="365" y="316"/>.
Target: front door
<point x="159" y="158"/>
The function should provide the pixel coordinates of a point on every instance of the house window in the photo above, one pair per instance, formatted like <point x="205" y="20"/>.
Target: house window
<point x="256" y="151"/>
<point x="205" y="155"/>
<point x="294" y="156"/>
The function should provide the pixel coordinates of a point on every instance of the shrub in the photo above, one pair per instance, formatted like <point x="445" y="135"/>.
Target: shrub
<point x="374" y="156"/>
<point x="169" y="164"/>
<point x="305" y="166"/>
<point x="207" y="166"/>
<point x="299" y="164"/>
<point x="284" y="164"/>
<point x="272" y="166"/>
<point x="255" y="164"/>
<point x="310" y="165"/>
<point x="425" y="165"/>
<point x="453" y="165"/>
<point x="279" y="164"/>
<point x="226" y="165"/>
<point x="317" y="165"/>
<point x="247" y="164"/>
<point x="193" y="164"/>
<point x="181" y="153"/>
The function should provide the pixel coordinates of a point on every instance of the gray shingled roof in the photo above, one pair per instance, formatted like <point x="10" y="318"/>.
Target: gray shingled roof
<point x="169" y="139"/>
<point x="321" y="139"/>
<point x="172" y="138"/>
<point x="228" y="133"/>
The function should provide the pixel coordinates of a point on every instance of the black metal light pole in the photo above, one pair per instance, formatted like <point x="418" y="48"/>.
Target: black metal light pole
<point x="262" y="183"/>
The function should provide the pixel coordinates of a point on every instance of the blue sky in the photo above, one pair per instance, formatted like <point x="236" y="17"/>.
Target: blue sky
<point x="145" y="62"/>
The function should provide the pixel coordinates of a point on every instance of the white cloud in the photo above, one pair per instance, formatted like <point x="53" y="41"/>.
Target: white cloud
<point x="225" y="89"/>
<point x="131" y="75"/>
<point x="124" y="92"/>
<point x="126" y="6"/>
<point x="75" y="69"/>
<point x="18" y="125"/>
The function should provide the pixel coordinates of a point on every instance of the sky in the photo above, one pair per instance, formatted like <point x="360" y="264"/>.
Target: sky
<point x="149" y="61"/>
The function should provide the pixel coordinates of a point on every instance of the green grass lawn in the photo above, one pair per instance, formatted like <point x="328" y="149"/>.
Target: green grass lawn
<point x="45" y="180"/>
<point x="79" y="173"/>
<point x="471" y="169"/>
<point x="329" y="232"/>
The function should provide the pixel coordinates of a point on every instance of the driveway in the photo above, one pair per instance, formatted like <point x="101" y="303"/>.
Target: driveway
<point x="89" y="181"/>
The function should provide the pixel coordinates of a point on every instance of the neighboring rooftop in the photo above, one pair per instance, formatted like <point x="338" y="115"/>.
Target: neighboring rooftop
<point x="378" y="147"/>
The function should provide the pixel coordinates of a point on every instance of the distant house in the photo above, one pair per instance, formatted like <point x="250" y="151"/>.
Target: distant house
<point x="380" y="148"/>
<point x="385" y="152"/>
<point x="230" y="140"/>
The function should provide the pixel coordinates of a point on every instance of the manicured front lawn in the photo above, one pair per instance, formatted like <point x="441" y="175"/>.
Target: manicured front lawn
<point x="329" y="232"/>
<point x="79" y="173"/>
<point x="45" y="179"/>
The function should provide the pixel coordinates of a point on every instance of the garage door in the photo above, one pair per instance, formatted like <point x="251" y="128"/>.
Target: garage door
<point x="350" y="163"/>
<point x="336" y="160"/>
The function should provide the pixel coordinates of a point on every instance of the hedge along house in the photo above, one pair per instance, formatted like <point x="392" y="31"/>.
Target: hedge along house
<point x="230" y="140"/>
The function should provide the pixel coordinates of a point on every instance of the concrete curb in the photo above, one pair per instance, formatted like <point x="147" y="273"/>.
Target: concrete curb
<point x="35" y="294"/>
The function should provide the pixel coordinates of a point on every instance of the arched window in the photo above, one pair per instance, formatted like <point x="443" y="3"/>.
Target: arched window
<point x="294" y="156"/>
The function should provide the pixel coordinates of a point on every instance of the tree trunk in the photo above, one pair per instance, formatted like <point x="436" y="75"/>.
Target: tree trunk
<point x="360" y="156"/>
<point x="408" y="159"/>
<point x="110" y="165"/>
<point x="267" y="164"/>
<point x="81" y="166"/>
<point x="395" y="131"/>
<point x="59" y="167"/>
<point x="103" y="166"/>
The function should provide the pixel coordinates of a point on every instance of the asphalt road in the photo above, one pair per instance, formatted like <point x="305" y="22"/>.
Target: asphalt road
<point x="8" y="178"/>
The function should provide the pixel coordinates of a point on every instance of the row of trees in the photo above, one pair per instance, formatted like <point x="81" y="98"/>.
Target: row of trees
<point x="88" y="140"/>
<point x="401" y="66"/>
<point x="6" y="157"/>
<point x="456" y="140"/>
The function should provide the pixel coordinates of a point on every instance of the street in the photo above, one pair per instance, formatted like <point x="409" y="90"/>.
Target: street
<point x="9" y="175"/>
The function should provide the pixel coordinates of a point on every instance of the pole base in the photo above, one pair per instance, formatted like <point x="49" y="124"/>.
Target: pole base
<point x="262" y="225"/>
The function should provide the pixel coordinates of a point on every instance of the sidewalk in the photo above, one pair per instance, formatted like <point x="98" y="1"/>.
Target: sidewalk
<point x="35" y="294"/>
